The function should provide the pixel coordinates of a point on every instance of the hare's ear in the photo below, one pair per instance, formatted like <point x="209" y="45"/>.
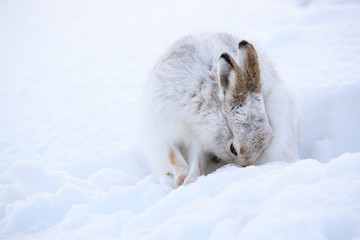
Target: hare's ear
<point x="251" y="66"/>
<point x="231" y="80"/>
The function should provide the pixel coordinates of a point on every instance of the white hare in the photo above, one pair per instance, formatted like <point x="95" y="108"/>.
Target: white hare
<point x="213" y="95"/>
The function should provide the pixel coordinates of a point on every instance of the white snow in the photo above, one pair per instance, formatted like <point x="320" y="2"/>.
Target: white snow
<point x="71" y="78"/>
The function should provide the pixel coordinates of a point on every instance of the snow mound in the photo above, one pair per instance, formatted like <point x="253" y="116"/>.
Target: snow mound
<point x="305" y="200"/>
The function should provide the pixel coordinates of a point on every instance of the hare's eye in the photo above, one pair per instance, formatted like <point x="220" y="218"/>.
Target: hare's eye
<point x="232" y="149"/>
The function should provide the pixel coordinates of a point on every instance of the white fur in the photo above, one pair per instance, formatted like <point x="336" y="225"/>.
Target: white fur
<point x="172" y="119"/>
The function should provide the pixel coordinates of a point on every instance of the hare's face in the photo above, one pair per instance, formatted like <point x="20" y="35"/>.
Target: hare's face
<point x="245" y="130"/>
<point x="250" y="131"/>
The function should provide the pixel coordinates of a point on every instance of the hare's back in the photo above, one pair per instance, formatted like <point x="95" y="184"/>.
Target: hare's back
<point x="186" y="74"/>
<point x="195" y="55"/>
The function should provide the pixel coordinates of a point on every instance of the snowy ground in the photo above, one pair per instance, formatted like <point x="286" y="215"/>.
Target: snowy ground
<point x="71" y="74"/>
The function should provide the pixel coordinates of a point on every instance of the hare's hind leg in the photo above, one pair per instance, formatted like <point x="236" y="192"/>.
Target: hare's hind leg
<point x="180" y="166"/>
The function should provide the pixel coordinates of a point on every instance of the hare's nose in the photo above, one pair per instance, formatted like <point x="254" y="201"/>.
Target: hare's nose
<point x="247" y="162"/>
<point x="242" y="150"/>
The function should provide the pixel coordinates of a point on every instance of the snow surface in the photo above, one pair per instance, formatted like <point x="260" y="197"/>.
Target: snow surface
<point x="71" y="75"/>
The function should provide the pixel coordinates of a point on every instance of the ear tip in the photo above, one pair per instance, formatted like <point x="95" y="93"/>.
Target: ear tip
<point x="226" y="57"/>
<point x="244" y="44"/>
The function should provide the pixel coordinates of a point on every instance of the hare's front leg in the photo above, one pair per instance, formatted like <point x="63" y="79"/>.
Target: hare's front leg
<point x="196" y="166"/>
<point x="180" y="166"/>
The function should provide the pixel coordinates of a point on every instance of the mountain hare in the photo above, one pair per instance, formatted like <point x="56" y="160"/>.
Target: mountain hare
<point x="213" y="95"/>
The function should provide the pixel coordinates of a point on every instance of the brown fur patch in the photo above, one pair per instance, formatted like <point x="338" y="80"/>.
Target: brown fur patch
<point x="172" y="157"/>
<point x="252" y="67"/>
<point x="200" y="169"/>
<point x="180" y="181"/>
<point x="239" y="90"/>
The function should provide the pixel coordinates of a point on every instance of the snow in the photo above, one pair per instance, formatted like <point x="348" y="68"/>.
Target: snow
<point x="72" y="73"/>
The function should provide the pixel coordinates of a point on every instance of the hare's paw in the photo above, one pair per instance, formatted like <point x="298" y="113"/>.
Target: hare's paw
<point x="190" y="179"/>
<point x="195" y="171"/>
<point x="180" y="167"/>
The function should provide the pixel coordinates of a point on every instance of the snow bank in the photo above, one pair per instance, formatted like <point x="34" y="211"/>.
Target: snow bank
<point x="330" y="122"/>
<point x="71" y="76"/>
<point x="305" y="200"/>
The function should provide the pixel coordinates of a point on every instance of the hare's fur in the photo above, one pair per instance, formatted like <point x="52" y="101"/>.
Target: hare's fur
<point x="189" y="117"/>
